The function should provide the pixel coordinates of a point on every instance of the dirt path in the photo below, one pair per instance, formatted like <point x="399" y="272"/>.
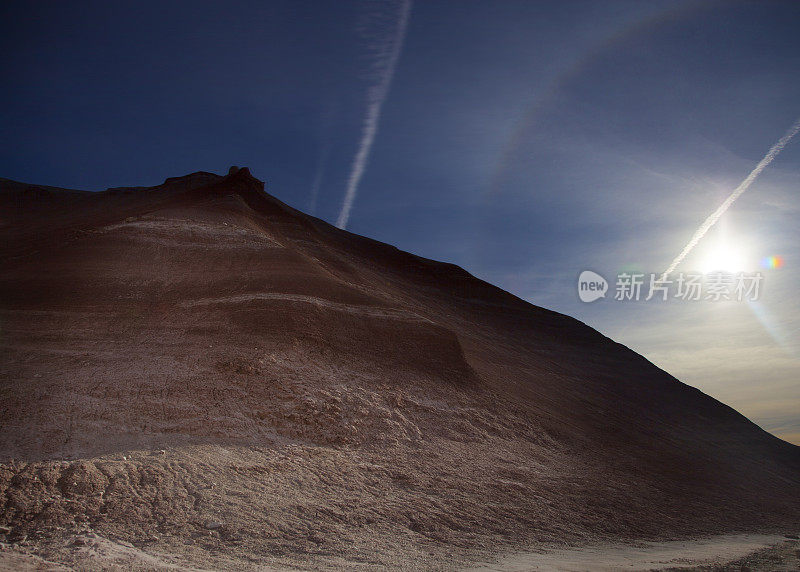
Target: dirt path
<point x="718" y="554"/>
<point x="674" y="555"/>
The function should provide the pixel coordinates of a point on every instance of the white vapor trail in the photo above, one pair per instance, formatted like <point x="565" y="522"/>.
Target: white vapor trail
<point x="376" y="96"/>
<point x="743" y="186"/>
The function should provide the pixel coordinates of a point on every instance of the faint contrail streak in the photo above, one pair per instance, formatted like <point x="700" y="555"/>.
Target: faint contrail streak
<point x="326" y="126"/>
<point x="376" y="96"/>
<point x="320" y="171"/>
<point x="743" y="186"/>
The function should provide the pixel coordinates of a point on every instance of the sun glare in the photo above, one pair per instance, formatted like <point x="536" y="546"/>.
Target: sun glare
<point x="725" y="257"/>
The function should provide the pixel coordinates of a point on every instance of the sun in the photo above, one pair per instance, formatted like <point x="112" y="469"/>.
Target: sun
<point x="724" y="256"/>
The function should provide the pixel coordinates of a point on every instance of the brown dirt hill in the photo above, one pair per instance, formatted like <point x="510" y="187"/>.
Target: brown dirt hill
<point x="200" y="370"/>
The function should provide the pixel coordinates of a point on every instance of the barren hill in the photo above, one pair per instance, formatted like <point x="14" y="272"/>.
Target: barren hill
<point x="202" y="375"/>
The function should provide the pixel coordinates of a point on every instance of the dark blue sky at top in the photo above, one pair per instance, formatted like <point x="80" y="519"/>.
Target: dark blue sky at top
<point x="492" y="140"/>
<point x="525" y="141"/>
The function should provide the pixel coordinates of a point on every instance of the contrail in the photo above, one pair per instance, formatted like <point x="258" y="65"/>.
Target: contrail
<point x="320" y="172"/>
<point x="743" y="186"/>
<point x="326" y="126"/>
<point x="376" y="96"/>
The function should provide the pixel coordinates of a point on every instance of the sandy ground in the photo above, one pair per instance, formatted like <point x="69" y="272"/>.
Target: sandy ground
<point x="708" y="553"/>
<point x="740" y="552"/>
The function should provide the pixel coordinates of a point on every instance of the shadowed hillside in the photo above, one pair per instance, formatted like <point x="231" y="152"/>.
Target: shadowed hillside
<point x="198" y="369"/>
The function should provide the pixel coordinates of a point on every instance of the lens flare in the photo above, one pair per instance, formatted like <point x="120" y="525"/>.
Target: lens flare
<point x="772" y="262"/>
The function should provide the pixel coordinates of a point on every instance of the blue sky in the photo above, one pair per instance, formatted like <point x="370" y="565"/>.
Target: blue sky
<point x="525" y="141"/>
